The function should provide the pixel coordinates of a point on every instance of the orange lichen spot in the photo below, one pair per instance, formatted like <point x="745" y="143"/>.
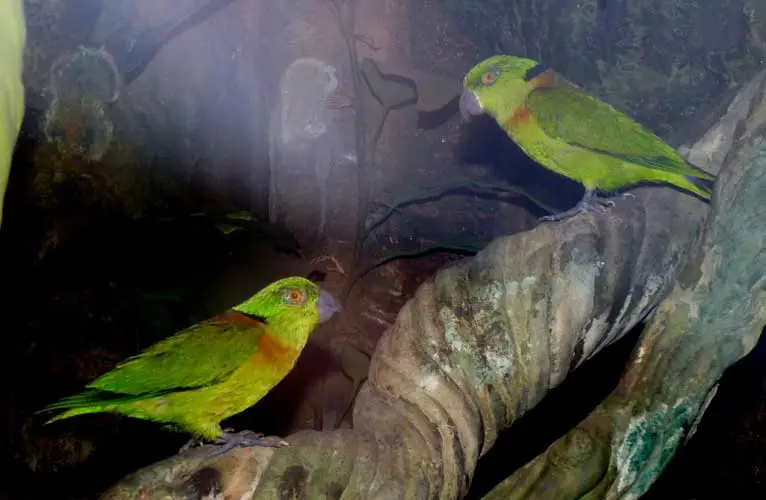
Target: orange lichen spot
<point x="237" y="318"/>
<point x="71" y="131"/>
<point x="544" y="79"/>
<point x="519" y="117"/>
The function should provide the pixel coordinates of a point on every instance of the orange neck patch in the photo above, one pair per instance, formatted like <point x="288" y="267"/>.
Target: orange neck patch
<point x="274" y="351"/>
<point x="520" y="116"/>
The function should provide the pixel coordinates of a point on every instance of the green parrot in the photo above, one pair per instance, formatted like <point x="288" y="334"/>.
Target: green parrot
<point x="215" y="369"/>
<point x="573" y="133"/>
<point x="12" y="40"/>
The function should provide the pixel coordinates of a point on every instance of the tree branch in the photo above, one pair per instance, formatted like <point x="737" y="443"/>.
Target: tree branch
<point x="713" y="318"/>
<point x="482" y="343"/>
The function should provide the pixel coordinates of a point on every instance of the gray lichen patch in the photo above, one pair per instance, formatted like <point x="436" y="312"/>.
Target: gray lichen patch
<point x="311" y="146"/>
<point x="80" y="84"/>
<point x="477" y="335"/>
<point x="80" y="126"/>
<point x="647" y="296"/>
<point x="573" y="299"/>
<point x="85" y="72"/>
<point x="304" y="89"/>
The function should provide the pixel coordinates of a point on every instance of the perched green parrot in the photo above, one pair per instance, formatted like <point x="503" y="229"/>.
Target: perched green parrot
<point x="210" y="371"/>
<point x="573" y="133"/>
<point x="12" y="39"/>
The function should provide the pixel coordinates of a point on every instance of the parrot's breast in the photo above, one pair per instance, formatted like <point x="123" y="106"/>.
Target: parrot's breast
<point x="245" y="387"/>
<point x="272" y="351"/>
<point x="555" y="155"/>
<point x="252" y="381"/>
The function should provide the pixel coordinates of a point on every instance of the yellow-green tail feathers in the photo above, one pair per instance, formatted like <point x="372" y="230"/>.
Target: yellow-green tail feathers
<point x="674" y="170"/>
<point x="91" y="401"/>
<point x="79" y="404"/>
<point x="75" y="412"/>
<point x="702" y="187"/>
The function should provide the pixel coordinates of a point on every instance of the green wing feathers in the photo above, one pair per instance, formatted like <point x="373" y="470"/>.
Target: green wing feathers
<point x="201" y="355"/>
<point x="198" y="356"/>
<point x="569" y="114"/>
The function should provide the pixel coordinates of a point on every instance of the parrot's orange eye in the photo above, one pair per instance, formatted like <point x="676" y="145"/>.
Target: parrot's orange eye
<point x="489" y="78"/>
<point x="295" y="296"/>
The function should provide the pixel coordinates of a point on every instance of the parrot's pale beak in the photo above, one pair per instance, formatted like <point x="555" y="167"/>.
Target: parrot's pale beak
<point x="470" y="105"/>
<point x="327" y="306"/>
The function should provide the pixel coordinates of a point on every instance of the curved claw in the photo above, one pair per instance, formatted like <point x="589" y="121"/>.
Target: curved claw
<point x="595" y="206"/>
<point x="589" y="203"/>
<point x="192" y="443"/>
<point x="230" y="440"/>
<point x="244" y="439"/>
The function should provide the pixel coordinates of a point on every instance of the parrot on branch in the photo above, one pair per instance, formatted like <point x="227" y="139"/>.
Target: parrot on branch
<point x="573" y="133"/>
<point x="212" y="370"/>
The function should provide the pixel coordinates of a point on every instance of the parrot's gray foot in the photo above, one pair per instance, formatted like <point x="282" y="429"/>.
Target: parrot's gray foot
<point x="230" y="440"/>
<point x="589" y="203"/>
<point x="595" y="206"/>
<point x="243" y="439"/>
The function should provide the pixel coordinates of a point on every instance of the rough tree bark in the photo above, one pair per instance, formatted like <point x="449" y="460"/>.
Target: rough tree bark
<point x="713" y="317"/>
<point x="485" y="340"/>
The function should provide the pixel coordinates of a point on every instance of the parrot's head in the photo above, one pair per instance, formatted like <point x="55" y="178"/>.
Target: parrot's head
<point x="497" y="86"/>
<point x="294" y="303"/>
